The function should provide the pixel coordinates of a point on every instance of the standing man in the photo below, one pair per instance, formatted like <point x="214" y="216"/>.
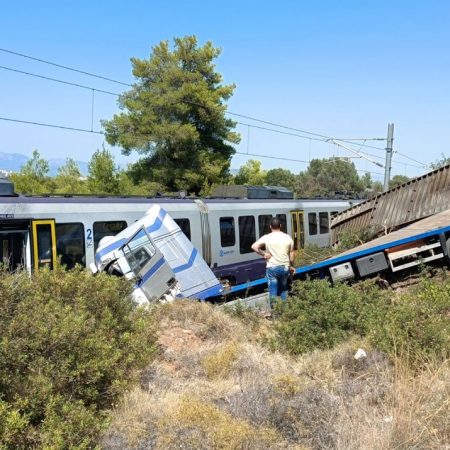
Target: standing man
<point x="279" y="256"/>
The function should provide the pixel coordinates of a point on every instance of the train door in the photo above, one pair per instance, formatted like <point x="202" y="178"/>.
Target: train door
<point x="14" y="243"/>
<point x="298" y="235"/>
<point x="43" y="243"/>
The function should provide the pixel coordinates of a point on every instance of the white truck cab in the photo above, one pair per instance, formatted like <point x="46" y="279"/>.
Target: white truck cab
<point x="159" y="258"/>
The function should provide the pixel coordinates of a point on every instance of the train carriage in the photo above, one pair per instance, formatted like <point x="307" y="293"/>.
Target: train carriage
<point x="36" y="231"/>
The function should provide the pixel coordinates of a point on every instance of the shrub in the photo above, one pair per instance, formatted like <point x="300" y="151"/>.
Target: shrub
<point x="350" y="238"/>
<point x="69" y="343"/>
<point x="312" y="253"/>
<point x="414" y="324"/>
<point x="318" y="315"/>
<point x="347" y="239"/>
<point x="248" y="316"/>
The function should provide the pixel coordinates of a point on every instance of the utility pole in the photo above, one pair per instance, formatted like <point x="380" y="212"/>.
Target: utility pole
<point x="387" y="166"/>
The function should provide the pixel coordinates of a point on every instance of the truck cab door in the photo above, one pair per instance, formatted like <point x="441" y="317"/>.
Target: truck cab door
<point x="43" y="243"/>
<point x="152" y="273"/>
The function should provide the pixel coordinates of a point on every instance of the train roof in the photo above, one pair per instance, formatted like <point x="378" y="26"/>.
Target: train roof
<point x="81" y="199"/>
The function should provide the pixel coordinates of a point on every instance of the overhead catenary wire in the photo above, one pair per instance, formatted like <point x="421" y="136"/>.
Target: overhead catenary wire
<point x="28" y="122"/>
<point x="409" y="157"/>
<point x="323" y="137"/>
<point x="316" y="139"/>
<point x="198" y="104"/>
<point x="50" y="125"/>
<point x="357" y="152"/>
<point x="102" y="133"/>
<point x="61" y="66"/>
<point x="56" y="80"/>
<point x="93" y="89"/>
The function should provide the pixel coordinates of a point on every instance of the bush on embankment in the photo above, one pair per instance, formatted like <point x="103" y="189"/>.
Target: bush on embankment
<point x="413" y="323"/>
<point x="69" y="343"/>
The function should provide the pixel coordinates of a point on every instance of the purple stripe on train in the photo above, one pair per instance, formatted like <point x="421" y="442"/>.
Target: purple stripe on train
<point x="242" y="272"/>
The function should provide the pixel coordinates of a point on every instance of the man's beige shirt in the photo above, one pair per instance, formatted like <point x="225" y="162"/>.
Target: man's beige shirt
<point x="279" y="245"/>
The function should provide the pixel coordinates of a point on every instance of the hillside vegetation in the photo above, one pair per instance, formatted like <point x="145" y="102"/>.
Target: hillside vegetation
<point x="81" y="366"/>
<point x="69" y="345"/>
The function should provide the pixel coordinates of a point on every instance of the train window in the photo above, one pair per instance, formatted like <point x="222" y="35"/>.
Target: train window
<point x="312" y="222"/>
<point x="264" y="224"/>
<point x="102" y="229"/>
<point x="227" y="234"/>
<point x="44" y="246"/>
<point x="247" y="233"/>
<point x="283" y="221"/>
<point x="324" y="225"/>
<point x="70" y="244"/>
<point x="185" y="226"/>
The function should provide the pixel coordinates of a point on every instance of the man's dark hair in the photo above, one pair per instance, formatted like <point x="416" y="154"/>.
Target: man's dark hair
<point x="275" y="223"/>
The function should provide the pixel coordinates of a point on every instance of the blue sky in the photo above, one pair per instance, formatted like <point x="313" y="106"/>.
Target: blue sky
<point x="343" y="69"/>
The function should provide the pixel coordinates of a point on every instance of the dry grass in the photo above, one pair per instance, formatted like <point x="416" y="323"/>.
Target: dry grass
<point x="214" y="387"/>
<point x="194" y="423"/>
<point x="218" y="364"/>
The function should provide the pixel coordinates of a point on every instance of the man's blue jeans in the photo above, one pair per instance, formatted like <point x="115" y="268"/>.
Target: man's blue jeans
<point x="277" y="278"/>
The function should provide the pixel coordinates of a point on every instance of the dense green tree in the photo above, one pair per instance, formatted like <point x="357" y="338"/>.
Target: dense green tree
<point x="33" y="176"/>
<point x="397" y="180"/>
<point x="325" y="176"/>
<point x="366" y="181"/>
<point x="251" y="174"/>
<point x="70" y="180"/>
<point x="103" y="177"/>
<point x="145" y="188"/>
<point x="175" y="116"/>
<point x="281" y="177"/>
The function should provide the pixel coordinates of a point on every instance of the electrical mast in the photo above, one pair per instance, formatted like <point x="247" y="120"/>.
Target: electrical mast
<point x="388" y="165"/>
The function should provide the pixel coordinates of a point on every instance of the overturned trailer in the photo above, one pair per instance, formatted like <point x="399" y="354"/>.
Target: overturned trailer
<point x="159" y="258"/>
<point x="416" y="199"/>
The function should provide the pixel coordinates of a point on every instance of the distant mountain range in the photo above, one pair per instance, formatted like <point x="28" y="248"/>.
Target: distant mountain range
<point x="12" y="162"/>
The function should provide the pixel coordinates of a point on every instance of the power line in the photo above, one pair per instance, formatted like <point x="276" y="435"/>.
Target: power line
<point x="357" y="152"/>
<point x="27" y="122"/>
<point x="58" y="81"/>
<point x="186" y="101"/>
<point x="50" y="125"/>
<point x="412" y="159"/>
<point x="280" y="126"/>
<point x="117" y="95"/>
<point x="324" y="138"/>
<point x="326" y="141"/>
<point x="102" y="133"/>
<point x="64" y="67"/>
<point x="316" y="139"/>
<point x="273" y="157"/>
<point x="198" y="104"/>
<point x="294" y="160"/>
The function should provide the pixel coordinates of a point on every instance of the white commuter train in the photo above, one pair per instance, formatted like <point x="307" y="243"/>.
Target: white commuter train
<point x="37" y="230"/>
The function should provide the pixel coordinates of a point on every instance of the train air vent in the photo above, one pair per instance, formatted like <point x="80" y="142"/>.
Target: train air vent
<point x="252" y="192"/>
<point x="6" y="188"/>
